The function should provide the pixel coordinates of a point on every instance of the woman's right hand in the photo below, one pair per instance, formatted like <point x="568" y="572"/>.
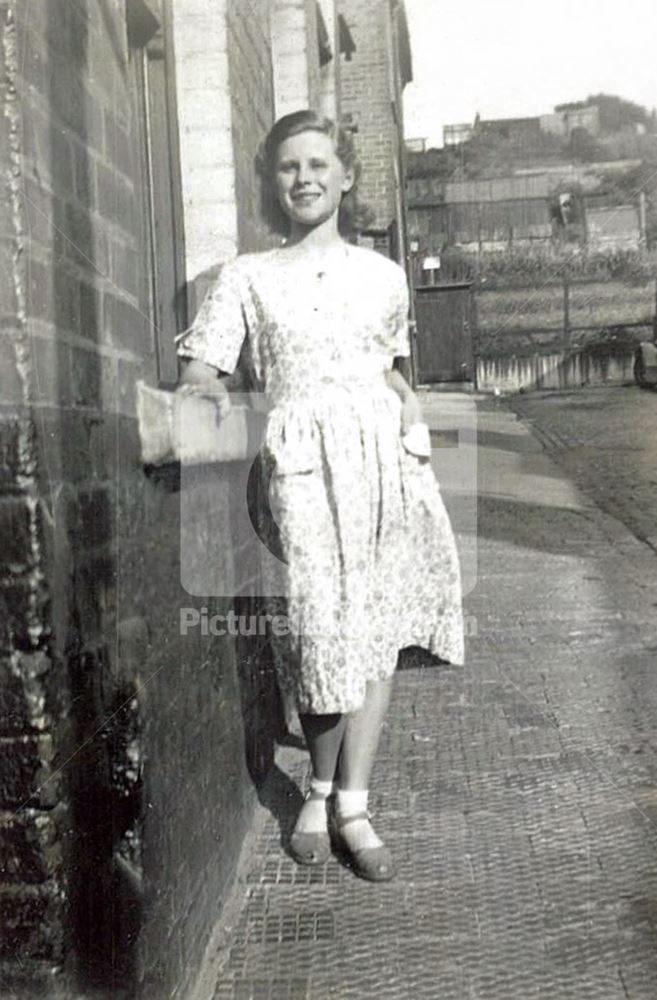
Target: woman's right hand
<point x="199" y="379"/>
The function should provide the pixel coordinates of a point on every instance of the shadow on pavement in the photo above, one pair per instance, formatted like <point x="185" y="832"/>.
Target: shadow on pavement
<point x="282" y="798"/>
<point x="526" y="525"/>
<point x="516" y="443"/>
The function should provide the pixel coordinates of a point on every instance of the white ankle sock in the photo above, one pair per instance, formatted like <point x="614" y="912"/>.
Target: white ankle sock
<point x="323" y="788"/>
<point x="312" y="817"/>
<point x="358" y="834"/>
<point x="350" y="801"/>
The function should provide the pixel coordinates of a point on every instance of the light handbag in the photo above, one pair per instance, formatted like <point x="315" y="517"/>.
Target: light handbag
<point x="180" y="427"/>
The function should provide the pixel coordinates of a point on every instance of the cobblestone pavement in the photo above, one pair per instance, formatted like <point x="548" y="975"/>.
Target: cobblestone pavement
<point x="518" y="793"/>
<point x="605" y="439"/>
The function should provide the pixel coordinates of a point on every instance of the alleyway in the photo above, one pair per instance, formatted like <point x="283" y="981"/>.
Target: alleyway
<point x="519" y="794"/>
<point x="605" y="439"/>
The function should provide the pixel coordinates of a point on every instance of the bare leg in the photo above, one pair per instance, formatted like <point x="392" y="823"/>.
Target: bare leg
<point x="361" y="737"/>
<point x="324" y="736"/>
<point x="347" y="743"/>
<point x="359" y="746"/>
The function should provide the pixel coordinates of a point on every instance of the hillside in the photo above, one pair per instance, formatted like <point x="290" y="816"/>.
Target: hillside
<point x="625" y="134"/>
<point x="626" y="131"/>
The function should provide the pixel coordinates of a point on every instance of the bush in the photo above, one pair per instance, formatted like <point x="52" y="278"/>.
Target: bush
<point x="523" y="268"/>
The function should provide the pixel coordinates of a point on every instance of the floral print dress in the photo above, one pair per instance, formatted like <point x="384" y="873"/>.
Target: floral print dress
<point x="367" y="549"/>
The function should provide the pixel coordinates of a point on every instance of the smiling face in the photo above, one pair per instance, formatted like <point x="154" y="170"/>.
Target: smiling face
<point x="310" y="179"/>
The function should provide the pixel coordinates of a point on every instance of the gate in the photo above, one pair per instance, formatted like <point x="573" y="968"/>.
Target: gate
<point x="445" y="317"/>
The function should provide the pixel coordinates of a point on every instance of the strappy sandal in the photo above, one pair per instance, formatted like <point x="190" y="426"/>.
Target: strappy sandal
<point x="309" y="848"/>
<point x="374" y="864"/>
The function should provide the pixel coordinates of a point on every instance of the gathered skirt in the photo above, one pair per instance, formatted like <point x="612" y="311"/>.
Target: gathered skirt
<point x="366" y="553"/>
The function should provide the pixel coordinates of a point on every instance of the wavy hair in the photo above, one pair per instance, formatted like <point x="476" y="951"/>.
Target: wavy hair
<point x="353" y="214"/>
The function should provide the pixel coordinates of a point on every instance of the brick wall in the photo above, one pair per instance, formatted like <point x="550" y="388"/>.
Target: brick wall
<point x="252" y="111"/>
<point x="329" y="73"/>
<point x="367" y="90"/>
<point x="34" y="815"/>
<point x="205" y="122"/>
<point x="115" y="728"/>
<point x="295" y="55"/>
<point x="225" y="107"/>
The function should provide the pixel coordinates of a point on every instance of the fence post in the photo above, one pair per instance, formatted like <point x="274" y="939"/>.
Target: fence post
<point x="566" y="314"/>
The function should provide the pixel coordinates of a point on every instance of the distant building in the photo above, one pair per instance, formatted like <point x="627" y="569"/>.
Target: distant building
<point x="524" y="210"/>
<point x="416" y="145"/>
<point x="531" y="205"/>
<point x="587" y="176"/>
<point x="586" y="117"/>
<point x="505" y="128"/>
<point x="512" y="129"/>
<point x="424" y="190"/>
<point x="617" y="227"/>
<point x="479" y="214"/>
<point x="454" y="135"/>
<point x="562" y="122"/>
<point x="553" y="124"/>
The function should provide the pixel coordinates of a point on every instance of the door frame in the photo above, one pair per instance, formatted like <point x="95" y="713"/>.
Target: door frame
<point x="446" y="287"/>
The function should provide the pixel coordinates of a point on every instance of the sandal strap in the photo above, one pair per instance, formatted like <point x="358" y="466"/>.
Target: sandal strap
<point x="345" y="820"/>
<point x="317" y="796"/>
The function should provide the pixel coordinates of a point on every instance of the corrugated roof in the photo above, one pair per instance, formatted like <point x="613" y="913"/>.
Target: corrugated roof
<point x="497" y="189"/>
<point x="621" y="220"/>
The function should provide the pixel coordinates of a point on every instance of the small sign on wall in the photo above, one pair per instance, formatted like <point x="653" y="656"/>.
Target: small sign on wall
<point x="431" y="263"/>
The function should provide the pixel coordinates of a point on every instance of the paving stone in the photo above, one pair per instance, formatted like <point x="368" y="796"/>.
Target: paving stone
<point x="529" y="869"/>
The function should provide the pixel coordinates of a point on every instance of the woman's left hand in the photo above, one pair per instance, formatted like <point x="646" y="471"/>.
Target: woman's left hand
<point x="411" y="411"/>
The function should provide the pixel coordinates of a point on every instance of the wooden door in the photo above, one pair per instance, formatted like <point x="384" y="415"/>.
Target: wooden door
<point x="445" y="318"/>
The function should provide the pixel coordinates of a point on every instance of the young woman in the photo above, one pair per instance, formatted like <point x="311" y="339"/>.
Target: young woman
<point x="367" y="548"/>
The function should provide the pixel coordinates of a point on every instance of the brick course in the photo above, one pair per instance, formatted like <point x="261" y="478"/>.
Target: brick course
<point x="295" y="55"/>
<point x="205" y="119"/>
<point x="156" y="725"/>
<point x="252" y="111"/>
<point x="370" y="92"/>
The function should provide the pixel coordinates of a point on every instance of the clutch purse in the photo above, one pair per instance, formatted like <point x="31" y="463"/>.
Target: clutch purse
<point x="174" y="427"/>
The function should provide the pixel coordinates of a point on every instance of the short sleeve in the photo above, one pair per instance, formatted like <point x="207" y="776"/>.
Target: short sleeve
<point x="217" y="334"/>
<point x="398" y="339"/>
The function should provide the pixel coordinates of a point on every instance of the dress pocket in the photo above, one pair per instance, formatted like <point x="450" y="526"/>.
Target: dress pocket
<point x="289" y="463"/>
<point x="294" y="448"/>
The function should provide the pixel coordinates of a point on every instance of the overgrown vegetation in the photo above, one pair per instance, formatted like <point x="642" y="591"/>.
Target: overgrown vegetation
<point x="524" y="268"/>
<point x="522" y="302"/>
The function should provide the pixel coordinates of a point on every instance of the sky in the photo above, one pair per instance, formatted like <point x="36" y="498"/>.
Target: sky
<point x="516" y="58"/>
